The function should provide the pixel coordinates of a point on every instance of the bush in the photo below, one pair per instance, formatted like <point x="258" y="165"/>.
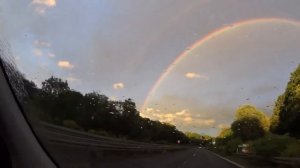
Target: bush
<point x="232" y="145"/>
<point x="271" y="145"/>
<point x="71" y="124"/>
<point x="221" y="149"/>
<point x="248" y="128"/>
<point x="292" y="150"/>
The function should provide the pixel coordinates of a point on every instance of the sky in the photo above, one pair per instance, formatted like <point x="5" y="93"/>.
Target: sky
<point x="191" y="63"/>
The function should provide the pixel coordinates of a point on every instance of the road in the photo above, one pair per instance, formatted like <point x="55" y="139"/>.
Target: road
<point x="70" y="157"/>
<point x="70" y="148"/>
<point x="191" y="158"/>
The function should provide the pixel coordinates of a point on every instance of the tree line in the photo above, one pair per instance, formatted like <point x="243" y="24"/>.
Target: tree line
<point x="93" y="112"/>
<point x="55" y="102"/>
<point x="274" y="136"/>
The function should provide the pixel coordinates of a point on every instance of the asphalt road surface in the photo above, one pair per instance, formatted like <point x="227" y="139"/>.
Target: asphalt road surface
<point x="90" y="157"/>
<point x="191" y="158"/>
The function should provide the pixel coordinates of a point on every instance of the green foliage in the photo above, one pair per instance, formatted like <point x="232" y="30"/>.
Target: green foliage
<point x="225" y="133"/>
<point x="292" y="150"/>
<point x="71" y="124"/>
<point x="232" y="145"/>
<point x="271" y="145"/>
<point x="250" y="123"/>
<point x="249" y="111"/>
<point x="274" y="121"/>
<point x="289" y="113"/>
<point x="56" y="103"/>
<point x="247" y="128"/>
<point x="198" y="139"/>
<point x="55" y="86"/>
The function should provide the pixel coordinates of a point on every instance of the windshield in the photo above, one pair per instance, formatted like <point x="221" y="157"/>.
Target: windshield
<point x="141" y="77"/>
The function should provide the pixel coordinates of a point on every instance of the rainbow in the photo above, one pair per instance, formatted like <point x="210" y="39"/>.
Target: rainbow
<point x="206" y="38"/>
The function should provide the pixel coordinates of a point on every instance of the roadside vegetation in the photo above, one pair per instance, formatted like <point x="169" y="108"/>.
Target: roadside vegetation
<point x="93" y="112"/>
<point x="56" y="103"/>
<point x="267" y="137"/>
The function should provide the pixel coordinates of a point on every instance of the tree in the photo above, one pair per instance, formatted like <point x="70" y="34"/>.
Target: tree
<point x="130" y="119"/>
<point x="249" y="111"/>
<point x="225" y="133"/>
<point x="289" y="114"/>
<point x="197" y="139"/>
<point x="247" y="128"/>
<point x="30" y="87"/>
<point x="274" y="121"/>
<point x="55" y="86"/>
<point x="56" y="103"/>
<point x="250" y="123"/>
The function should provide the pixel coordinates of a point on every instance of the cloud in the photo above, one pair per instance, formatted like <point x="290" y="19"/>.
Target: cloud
<point x="118" y="86"/>
<point x="37" y="52"/>
<point x="42" y="48"/>
<point x="183" y="112"/>
<point x="168" y="117"/>
<point x="183" y="117"/>
<point x="187" y="119"/>
<point x="42" y="44"/>
<point x="50" y="54"/>
<point x="49" y="3"/>
<point x="40" y="6"/>
<point x="193" y="75"/>
<point x="72" y="79"/>
<point x="65" y="65"/>
<point x="206" y="122"/>
<point x="149" y="109"/>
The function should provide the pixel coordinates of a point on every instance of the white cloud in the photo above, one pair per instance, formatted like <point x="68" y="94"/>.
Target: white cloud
<point x="187" y="119"/>
<point x="193" y="75"/>
<point x="49" y="3"/>
<point x="169" y="117"/>
<point x="37" y="52"/>
<point x="43" y="44"/>
<point x="206" y="122"/>
<point x="149" y="109"/>
<point x="182" y="112"/>
<point x="51" y="55"/>
<point x="42" y="48"/>
<point x="118" y="86"/>
<point x="40" y="6"/>
<point x="183" y="117"/>
<point x="72" y="79"/>
<point x="65" y="65"/>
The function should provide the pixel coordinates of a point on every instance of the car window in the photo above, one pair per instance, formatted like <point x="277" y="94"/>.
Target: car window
<point x="157" y="83"/>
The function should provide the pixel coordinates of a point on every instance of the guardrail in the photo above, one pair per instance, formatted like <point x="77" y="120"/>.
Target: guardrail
<point x="284" y="161"/>
<point x="62" y="135"/>
<point x="294" y="162"/>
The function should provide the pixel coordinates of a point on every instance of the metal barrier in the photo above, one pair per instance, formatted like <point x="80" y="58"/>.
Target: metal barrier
<point x="284" y="161"/>
<point x="62" y="135"/>
<point x="294" y="162"/>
